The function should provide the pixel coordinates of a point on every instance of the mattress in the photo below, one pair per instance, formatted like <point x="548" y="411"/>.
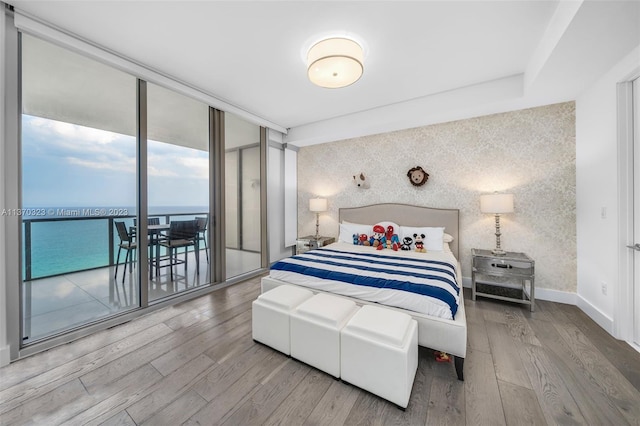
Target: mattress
<point x="419" y="282"/>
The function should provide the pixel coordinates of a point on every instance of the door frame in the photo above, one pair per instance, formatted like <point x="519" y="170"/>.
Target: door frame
<point x="623" y="321"/>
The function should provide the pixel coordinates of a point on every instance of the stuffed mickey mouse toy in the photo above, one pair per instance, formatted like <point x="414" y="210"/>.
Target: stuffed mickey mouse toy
<point x="419" y="243"/>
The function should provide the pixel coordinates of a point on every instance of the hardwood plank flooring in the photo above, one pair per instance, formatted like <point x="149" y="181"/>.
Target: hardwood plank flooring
<point x="196" y="363"/>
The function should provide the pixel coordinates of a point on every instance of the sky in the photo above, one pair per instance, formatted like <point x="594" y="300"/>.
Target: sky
<point x="67" y="165"/>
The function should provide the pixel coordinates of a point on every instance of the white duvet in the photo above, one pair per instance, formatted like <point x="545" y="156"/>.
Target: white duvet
<point x="421" y="303"/>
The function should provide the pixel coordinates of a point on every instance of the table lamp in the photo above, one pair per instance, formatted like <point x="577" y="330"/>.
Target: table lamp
<point x="497" y="204"/>
<point x="318" y="205"/>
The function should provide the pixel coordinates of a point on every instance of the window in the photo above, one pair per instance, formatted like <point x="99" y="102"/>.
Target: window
<point x="78" y="180"/>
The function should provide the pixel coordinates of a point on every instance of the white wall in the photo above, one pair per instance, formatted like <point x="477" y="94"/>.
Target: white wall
<point x="275" y="198"/>
<point x="4" y="344"/>
<point x="597" y="189"/>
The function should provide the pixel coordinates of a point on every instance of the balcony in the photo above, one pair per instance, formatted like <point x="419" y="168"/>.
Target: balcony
<point x="69" y="266"/>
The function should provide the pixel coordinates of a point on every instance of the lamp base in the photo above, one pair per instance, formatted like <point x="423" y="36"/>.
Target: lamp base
<point x="498" y="252"/>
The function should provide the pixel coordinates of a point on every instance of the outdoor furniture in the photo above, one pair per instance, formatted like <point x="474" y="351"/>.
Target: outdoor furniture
<point x="182" y="234"/>
<point x="202" y="234"/>
<point x="128" y="243"/>
<point x="150" y="221"/>
<point x="155" y="233"/>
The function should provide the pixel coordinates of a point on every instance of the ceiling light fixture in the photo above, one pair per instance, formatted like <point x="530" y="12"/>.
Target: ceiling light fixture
<point x="335" y="62"/>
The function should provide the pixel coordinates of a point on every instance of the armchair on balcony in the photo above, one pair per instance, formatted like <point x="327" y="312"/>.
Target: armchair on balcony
<point x="127" y="242"/>
<point x="202" y="234"/>
<point x="183" y="233"/>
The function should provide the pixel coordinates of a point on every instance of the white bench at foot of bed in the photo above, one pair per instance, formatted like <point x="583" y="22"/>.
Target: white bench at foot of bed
<point x="379" y="353"/>
<point x="315" y="331"/>
<point x="444" y="335"/>
<point x="271" y="312"/>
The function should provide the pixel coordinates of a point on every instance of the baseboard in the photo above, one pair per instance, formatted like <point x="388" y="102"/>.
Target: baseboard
<point x="466" y="282"/>
<point x="5" y="357"/>
<point x="596" y="314"/>
<point x="556" y="296"/>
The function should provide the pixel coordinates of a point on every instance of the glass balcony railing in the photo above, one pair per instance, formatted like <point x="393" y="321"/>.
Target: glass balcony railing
<point x="77" y="242"/>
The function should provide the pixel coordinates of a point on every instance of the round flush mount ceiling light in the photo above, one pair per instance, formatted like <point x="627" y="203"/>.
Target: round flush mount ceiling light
<point x="335" y="62"/>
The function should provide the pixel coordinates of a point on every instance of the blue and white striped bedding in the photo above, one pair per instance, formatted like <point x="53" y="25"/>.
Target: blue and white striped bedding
<point x="420" y="282"/>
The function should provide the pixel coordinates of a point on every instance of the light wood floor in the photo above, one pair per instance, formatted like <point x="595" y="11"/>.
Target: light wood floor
<point x="195" y="363"/>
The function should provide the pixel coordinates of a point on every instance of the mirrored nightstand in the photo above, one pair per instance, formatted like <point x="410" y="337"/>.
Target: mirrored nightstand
<point x="509" y="277"/>
<point x="304" y="244"/>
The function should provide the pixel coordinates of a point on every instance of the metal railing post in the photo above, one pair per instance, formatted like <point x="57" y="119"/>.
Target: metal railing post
<point x="27" y="250"/>
<point x="111" y="254"/>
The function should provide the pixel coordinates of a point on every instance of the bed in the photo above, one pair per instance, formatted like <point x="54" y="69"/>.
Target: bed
<point x="442" y="334"/>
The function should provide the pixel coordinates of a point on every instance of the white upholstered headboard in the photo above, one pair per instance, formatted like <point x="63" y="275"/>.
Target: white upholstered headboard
<point x="408" y="215"/>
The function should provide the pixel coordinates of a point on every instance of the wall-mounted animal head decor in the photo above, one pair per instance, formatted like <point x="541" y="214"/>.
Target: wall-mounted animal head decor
<point x="360" y="181"/>
<point x="417" y="176"/>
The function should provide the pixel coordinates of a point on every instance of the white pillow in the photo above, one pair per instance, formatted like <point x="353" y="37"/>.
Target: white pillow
<point x="348" y="229"/>
<point x="446" y="240"/>
<point x="433" y="237"/>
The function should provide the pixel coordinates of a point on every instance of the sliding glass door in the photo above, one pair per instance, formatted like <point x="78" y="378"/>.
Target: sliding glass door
<point x="243" y="196"/>
<point x="97" y="144"/>
<point x="178" y="192"/>
<point x="78" y="183"/>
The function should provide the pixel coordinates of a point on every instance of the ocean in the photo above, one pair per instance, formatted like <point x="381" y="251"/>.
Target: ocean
<point x="71" y="239"/>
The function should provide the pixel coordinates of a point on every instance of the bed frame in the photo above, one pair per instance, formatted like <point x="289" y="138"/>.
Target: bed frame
<point x="436" y="333"/>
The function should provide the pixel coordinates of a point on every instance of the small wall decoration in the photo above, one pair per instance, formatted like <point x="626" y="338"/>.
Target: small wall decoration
<point x="360" y="181"/>
<point x="417" y="176"/>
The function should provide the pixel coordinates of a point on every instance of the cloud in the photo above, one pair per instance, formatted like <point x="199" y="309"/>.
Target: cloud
<point x="98" y="150"/>
<point x="72" y="131"/>
<point x="198" y="167"/>
<point x="128" y="166"/>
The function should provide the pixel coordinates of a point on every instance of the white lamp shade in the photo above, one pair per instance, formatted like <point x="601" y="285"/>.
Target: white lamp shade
<point x="335" y="62"/>
<point x="318" y="204"/>
<point x="496" y="203"/>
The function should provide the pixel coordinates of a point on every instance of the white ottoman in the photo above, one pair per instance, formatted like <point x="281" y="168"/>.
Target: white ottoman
<point x="379" y="353"/>
<point x="315" y="331"/>
<point x="270" y="319"/>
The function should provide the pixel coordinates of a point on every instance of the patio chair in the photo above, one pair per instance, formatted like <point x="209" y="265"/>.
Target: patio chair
<point x="183" y="233"/>
<point x="128" y="243"/>
<point x="202" y="233"/>
<point x="150" y="221"/>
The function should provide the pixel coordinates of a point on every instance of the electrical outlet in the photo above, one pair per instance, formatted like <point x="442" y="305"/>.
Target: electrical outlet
<point x="603" y="213"/>
<point x="603" y="286"/>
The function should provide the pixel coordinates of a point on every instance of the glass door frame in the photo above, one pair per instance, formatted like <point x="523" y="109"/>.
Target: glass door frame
<point x="11" y="168"/>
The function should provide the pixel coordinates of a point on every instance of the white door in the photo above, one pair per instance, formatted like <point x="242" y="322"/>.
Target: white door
<point x="636" y="209"/>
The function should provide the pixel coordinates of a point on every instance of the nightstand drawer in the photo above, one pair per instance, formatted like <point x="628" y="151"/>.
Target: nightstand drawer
<point x="307" y="243"/>
<point x="496" y="266"/>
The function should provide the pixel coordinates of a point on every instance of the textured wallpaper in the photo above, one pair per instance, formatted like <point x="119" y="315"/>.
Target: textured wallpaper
<point x="530" y="153"/>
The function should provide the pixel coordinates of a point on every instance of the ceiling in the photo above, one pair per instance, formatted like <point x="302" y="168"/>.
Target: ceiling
<point x="425" y="61"/>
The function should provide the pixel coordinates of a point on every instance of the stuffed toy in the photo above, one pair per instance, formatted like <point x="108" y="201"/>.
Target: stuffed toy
<point x="442" y="356"/>
<point x="393" y="242"/>
<point x="360" y="181"/>
<point x="356" y="239"/>
<point x="378" y="238"/>
<point x="363" y="240"/>
<point x="419" y="241"/>
<point x="406" y="243"/>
